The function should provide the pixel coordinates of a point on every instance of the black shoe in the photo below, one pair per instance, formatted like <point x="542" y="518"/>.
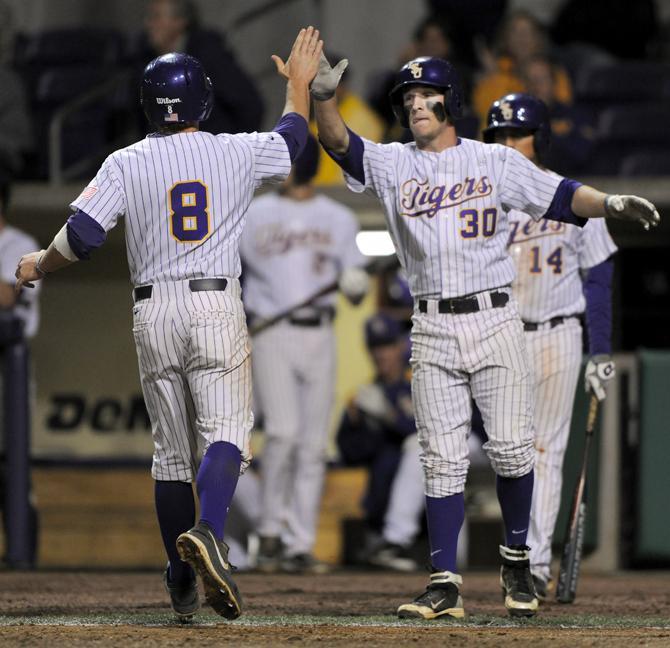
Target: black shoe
<point x="209" y="557"/>
<point x="516" y="581"/>
<point x="270" y="551"/>
<point x="441" y="599"/>
<point x="392" y="556"/>
<point x="183" y="596"/>
<point x="541" y="588"/>
<point x="304" y="563"/>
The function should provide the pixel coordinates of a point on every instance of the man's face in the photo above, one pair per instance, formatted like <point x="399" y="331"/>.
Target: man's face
<point x="540" y="80"/>
<point x="417" y="102"/>
<point x="163" y="26"/>
<point x="388" y="359"/>
<point x="520" y="139"/>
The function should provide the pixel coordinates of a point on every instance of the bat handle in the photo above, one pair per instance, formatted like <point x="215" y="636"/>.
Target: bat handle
<point x="593" y="412"/>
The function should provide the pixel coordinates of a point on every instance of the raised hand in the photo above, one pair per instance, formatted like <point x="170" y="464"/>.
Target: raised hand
<point x="303" y="62"/>
<point x="326" y="81"/>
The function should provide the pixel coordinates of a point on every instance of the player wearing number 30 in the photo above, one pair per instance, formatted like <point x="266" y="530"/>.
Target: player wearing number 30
<point x="447" y="201"/>
<point x="183" y="195"/>
<point x="550" y="259"/>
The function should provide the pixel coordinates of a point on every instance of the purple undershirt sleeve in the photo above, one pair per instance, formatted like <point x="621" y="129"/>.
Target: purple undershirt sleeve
<point x="560" y="208"/>
<point x="84" y="234"/>
<point x="293" y="128"/>
<point x="352" y="160"/>
<point x="598" y="293"/>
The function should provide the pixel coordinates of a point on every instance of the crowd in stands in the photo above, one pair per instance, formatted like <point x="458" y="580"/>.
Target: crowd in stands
<point x="602" y="68"/>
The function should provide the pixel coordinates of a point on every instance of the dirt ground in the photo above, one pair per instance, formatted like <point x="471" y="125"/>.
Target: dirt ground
<point x="344" y="608"/>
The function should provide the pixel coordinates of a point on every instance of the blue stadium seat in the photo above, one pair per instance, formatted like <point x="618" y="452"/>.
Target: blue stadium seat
<point x="642" y="124"/>
<point x="69" y="46"/>
<point x="646" y="164"/>
<point x="624" y="82"/>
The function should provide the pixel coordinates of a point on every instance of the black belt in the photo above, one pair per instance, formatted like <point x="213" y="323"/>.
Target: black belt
<point x="459" y="305"/>
<point x="554" y="322"/>
<point x="325" y="316"/>
<point x="196" y="285"/>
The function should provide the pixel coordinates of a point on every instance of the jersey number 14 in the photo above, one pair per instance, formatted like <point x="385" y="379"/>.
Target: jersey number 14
<point x="555" y="260"/>
<point x="189" y="211"/>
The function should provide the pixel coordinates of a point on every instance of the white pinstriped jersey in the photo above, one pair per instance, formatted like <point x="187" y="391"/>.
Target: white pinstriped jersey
<point x="13" y="245"/>
<point x="549" y="256"/>
<point x="447" y="211"/>
<point x="292" y="248"/>
<point x="184" y="198"/>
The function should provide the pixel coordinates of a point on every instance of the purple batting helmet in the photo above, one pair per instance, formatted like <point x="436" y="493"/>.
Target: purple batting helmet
<point x="520" y="111"/>
<point x="427" y="71"/>
<point x="176" y="90"/>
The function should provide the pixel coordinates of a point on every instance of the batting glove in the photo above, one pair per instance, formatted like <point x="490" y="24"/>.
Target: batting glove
<point x="327" y="78"/>
<point x="354" y="284"/>
<point x="632" y="208"/>
<point x="600" y="370"/>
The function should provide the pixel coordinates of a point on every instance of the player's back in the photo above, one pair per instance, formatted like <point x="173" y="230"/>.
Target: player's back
<point x="184" y="198"/>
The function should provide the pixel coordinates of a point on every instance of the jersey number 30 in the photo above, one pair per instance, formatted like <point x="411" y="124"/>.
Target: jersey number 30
<point x="189" y="211"/>
<point x="474" y="222"/>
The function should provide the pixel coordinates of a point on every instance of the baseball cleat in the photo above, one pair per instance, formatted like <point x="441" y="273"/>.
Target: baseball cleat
<point x="270" y="551"/>
<point x="392" y="556"/>
<point x="304" y="563"/>
<point x="183" y="597"/>
<point x="441" y="599"/>
<point x="516" y="581"/>
<point x="209" y="557"/>
<point x="542" y="588"/>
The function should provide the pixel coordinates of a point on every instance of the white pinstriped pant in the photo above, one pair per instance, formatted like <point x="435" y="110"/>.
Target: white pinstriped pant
<point x="555" y="356"/>
<point x="456" y="357"/>
<point x="294" y="378"/>
<point x="407" y="500"/>
<point x="195" y="371"/>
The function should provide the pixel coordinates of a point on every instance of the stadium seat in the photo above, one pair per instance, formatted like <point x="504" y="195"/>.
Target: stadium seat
<point x="637" y="124"/>
<point x="646" y="164"/>
<point x="623" y="82"/>
<point x="68" y="47"/>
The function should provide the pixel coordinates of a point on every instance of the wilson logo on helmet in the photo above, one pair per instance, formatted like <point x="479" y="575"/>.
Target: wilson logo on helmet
<point x="167" y="100"/>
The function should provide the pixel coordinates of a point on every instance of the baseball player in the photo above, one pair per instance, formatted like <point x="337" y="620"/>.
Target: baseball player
<point x="295" y="243"/>
<point x="561" y="270"/>
<point x="183" y="194"/>
<point x="14" y="243"/>
<point x="378" y="430"/>
<point x="446" y="200"/>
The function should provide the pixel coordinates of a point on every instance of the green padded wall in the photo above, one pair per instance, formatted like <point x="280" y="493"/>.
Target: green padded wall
<point x="652" y="538"/>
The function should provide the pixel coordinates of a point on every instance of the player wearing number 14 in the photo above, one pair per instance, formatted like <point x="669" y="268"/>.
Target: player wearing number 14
<point x="561" y="271"/>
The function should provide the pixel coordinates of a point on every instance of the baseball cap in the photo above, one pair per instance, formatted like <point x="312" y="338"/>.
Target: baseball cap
<point x="381" y="329"/>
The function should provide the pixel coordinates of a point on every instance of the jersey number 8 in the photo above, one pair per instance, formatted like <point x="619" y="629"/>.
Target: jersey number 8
<point x="189" y="213"/>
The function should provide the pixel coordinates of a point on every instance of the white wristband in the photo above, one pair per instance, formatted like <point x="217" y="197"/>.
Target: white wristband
<point x="60" y="242"/>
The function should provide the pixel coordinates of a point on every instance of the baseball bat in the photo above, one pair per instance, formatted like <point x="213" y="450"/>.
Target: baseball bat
<point x="374" y="267"/>
<point x="573" y="542"/>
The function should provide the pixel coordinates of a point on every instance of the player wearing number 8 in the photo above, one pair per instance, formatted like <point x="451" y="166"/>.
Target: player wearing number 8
<point x="183" y="195"/>
<point x="562" y="271"/>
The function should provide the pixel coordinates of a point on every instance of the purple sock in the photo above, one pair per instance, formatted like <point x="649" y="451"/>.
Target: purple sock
<point x="445" y="518"/>
<point x="515" y="495"/>
<point x="216" y="482"/>
<point x="175" y="508"/>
